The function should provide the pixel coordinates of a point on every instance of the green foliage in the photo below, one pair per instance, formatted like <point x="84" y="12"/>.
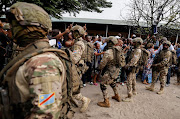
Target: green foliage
<point x="56" y="7"/>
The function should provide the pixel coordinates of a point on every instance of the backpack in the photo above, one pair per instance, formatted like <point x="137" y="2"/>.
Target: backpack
<point x="119" y="58"/>
<point x="89" y="51"/>
<point x="144" y="57"/>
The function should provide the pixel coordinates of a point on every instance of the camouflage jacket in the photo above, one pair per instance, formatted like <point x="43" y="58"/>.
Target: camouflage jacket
<point x="107" y="63"/>
<point x="35" y="90"/>
<point x="134" y="58"/>
<point x="162" y="59"/>
<point x="78" y="50"/>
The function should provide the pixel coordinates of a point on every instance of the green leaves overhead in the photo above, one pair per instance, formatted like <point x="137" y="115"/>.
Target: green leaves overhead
<point x="56" y="7"/>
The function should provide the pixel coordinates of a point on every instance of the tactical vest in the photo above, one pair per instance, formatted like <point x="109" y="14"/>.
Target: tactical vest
<point x="89" y="51"/>
<point x="131" y="56"/>
<point x="119" y="58"/>
<point x="111" y="67"/>
<point x="65" y="56"/>
<point x="160" y="56"/>
<point x="144" y="57"/>
<point x="81" y="65"/>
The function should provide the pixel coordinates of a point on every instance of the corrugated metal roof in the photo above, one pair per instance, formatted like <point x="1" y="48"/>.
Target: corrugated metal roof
<point x="87" y="20"/>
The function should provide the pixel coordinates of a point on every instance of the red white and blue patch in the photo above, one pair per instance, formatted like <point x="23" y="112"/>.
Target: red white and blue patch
<point x="46" y="99"/>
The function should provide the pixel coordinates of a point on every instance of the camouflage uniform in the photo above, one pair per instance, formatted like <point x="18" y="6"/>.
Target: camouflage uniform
<point x="110" y="74"/>
<point x="132" y="68"/>
<point x="78" y="50"/>
<point x="160" y="67"/>
<point x="37" y="88"/>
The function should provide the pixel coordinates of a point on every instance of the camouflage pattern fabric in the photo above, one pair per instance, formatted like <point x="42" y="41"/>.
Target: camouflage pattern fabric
<point x="161" y="67"/>
<point x="28" y="14"/>
<point x="131" y="74"/>
<point x="163" y="59"/>
<point x="134" y="58"/>
<point x="41" y="75"/>
<point x="131" y="83"/>
<point x="111" y="72"/>
<point x="78" y="50"/>
<point x="162" y="77"/>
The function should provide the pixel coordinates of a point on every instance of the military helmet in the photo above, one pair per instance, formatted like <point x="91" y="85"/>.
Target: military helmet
<point x="163" y="39"/>
<point x="112" y="39"/>
<point x="78" y="28"/>
<point x="167" y="42"/>
<point x="138" y="40"/>
<point x="28" y="14"/>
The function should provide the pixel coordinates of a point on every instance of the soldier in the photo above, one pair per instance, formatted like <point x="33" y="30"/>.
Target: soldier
<point x="110" y="72"/>
<point x="160" y="67"/>
<point x="79" y="55"/>
<point x="37" y="80"/>
<point x="132" y="68"/>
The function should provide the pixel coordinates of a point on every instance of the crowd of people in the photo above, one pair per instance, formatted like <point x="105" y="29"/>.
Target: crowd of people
<point x="152" y="45"/>
<point x="42" y="69"/>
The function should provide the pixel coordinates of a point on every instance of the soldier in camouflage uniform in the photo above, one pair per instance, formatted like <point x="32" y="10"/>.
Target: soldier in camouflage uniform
<point x="110" y="72"/>
<point x="160" y="67"/>
<point x="132" y="68"/>
<point x="37" y="87"/>
<point x="78" y="50"/>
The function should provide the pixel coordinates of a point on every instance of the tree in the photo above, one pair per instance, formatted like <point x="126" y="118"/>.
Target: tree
<point x="155" y="12"/>
<point x="56" y="7"/>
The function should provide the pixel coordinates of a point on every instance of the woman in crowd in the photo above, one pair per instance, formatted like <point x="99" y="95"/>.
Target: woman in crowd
<point x="147" y="72"/>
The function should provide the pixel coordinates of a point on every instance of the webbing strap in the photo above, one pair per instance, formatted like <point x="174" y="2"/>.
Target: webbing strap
<point x="46" y="79"/>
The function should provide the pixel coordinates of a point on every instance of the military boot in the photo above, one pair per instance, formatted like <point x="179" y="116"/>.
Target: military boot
<point x="161" y="91"/>
<point x="151" y="88"/>
<point x="104" y="104"/>
<point x="85" y="103"/>
<point x="116" y="97"/>
<point x="134" y="92"/>
<point x="127" y="99"/>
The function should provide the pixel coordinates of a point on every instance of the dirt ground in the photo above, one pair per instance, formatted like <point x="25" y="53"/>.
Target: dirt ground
<point x="145" y="105"/>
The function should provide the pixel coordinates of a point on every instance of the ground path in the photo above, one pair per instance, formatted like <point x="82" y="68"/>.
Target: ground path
<point x="145" y="105"/>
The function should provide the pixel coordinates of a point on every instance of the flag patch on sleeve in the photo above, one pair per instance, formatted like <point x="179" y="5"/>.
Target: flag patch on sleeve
<point x="46" y="99"/>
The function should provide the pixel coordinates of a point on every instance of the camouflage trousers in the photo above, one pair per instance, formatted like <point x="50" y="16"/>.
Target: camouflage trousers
<point x="162" y="77"/>
<point x="107" y="80"/>
<point x="131" y="83"/>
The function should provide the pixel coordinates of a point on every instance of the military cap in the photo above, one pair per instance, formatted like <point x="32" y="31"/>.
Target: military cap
<point x="80" y="29"/>
<point x="167" y="42"/>
<point x="138" y="40"/>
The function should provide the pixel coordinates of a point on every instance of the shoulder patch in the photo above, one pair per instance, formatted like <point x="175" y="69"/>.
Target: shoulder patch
<point x="46" y="99"/>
